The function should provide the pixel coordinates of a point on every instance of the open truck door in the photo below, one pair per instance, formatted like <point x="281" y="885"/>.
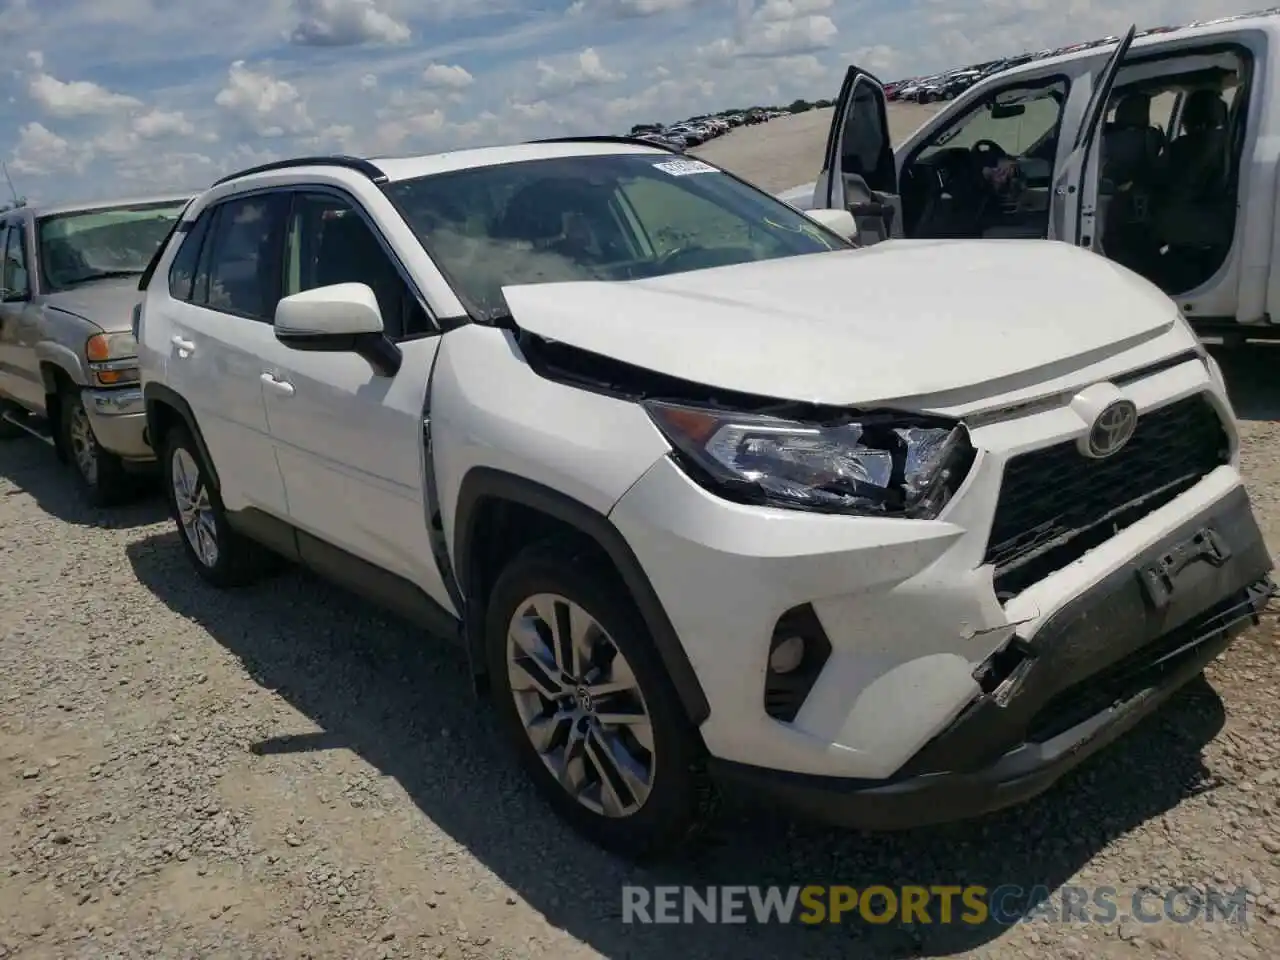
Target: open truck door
<point x="1074" y="214"/>
<point x="859" y="173"/>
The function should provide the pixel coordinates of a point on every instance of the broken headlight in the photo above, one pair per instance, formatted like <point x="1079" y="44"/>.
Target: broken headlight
<point x="885" y="465"/>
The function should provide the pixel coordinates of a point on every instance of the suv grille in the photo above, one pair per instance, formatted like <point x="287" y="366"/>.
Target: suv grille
<point x="1056" y="504"/>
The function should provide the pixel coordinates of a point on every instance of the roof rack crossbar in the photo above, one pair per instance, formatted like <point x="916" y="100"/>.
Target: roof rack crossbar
<point x="634" y="141"/>
<point x="358" y="164"/>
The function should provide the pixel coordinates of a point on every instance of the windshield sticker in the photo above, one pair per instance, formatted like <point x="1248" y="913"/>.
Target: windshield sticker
<point x="683" y="168"/>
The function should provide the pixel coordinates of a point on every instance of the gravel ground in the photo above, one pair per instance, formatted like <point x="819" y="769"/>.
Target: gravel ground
<point x="285" y="772"/>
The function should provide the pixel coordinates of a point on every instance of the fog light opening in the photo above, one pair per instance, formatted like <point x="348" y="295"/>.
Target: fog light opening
<point x="787" y="656"/>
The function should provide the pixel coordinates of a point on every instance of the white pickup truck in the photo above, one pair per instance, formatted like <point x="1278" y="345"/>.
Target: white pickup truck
<point x="1159" y="152"/>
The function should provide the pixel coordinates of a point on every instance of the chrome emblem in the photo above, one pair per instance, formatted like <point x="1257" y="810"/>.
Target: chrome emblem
<point x="1112" y="429"/>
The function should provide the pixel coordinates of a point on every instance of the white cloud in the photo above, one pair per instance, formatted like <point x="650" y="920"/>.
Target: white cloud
<point x="583" y="70"/>
<point x="268" y="106"/>
<point x="41" y="152"/>
<point x="775" y="28"/>
<point x="880" y="59"/>
<point x="403" y="133"/>
<point x="772" y="10"/>
<point x="446" y="77"/>
<point x="163" y="123"/>
<point x="368" y="82"/>
<point x="73" y="98"/>
<point x="343" y="23"/>
<point x="629" y="8"/>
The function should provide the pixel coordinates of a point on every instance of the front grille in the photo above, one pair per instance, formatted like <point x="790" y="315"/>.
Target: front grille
<point x="1056" y="504"/>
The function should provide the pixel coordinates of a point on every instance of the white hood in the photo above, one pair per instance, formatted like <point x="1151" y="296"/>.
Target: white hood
<point x="900" y="319"/>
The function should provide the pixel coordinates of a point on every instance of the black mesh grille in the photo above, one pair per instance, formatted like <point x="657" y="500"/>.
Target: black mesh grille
<point x="1056" y="504"/>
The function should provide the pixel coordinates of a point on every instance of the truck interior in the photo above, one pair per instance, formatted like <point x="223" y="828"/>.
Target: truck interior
<point x="1167" y="168"/>
<point x="988" y="173"/>
<point x="1169" y="171"/>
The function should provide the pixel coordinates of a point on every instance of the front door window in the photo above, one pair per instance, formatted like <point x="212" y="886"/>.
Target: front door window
<point x="988" y="172"/>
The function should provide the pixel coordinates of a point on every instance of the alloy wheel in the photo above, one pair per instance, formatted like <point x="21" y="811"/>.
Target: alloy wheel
<point x="581" y="705"/>
<point x="195" y="511"/>
<point x="84" y="447"/>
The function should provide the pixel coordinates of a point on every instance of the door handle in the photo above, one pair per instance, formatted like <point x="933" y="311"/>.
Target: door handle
<point x="282" y="387"/>
<point x="185" y="347"/>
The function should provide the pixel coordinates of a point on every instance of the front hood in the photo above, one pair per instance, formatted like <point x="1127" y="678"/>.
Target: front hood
<point x="107" y="303"/>
<point x="897" y="320"/>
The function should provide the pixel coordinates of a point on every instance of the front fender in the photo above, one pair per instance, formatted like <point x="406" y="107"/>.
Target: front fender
<point x="52" y="354"/>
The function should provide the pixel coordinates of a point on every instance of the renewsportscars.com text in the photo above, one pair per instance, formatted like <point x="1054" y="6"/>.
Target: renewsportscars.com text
<point x="972" y="905"/>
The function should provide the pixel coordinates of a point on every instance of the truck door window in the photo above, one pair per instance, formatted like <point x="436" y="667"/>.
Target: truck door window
<point x="987" y="172"/>
<point x="1015" y="119"/>
<point x="16" y="281"/>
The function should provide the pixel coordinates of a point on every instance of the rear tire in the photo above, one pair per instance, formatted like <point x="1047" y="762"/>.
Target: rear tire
<point x="101" y="475"/>
<point x="221" y="555"/>
<point x="655" y="796"/>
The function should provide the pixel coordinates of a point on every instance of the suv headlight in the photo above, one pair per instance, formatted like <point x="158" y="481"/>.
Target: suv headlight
<point x="882" y="464"/>
<point x="113" y="358"/>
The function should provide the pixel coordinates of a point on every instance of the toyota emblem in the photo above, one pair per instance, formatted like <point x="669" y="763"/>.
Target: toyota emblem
<point x="1112" y="429"/>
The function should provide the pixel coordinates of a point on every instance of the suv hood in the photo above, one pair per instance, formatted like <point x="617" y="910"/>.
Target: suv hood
<point x="900" y="319"/>
<point x="107" y="303"/>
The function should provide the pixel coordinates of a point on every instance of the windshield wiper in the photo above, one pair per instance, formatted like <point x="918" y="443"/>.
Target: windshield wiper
<point x="101" y="275"/>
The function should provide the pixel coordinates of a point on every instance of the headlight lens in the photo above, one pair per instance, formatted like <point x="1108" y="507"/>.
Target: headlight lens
<point x="879" y="465"/>
<point x="113" y="358"/>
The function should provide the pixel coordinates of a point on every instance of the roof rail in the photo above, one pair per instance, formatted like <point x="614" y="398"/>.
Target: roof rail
<point x="634" y="141"/>
<point x="358" y="164"/>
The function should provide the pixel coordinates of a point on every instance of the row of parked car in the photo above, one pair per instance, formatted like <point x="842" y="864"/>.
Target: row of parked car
<point x="951" y="83"/>
<point x="608" y="418"/>
<point x="697" y="130"/>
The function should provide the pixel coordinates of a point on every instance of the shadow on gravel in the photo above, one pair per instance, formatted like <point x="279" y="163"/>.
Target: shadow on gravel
<point x="1250" y="372"/>
<point x="33" y="468"/>
<point x="404" y="704"/>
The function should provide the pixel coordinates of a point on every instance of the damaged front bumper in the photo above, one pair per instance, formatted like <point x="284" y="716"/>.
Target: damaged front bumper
<point x="1094" y="670"/>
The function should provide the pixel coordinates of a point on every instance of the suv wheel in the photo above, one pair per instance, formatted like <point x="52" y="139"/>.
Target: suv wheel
<point x="222" y="556"/>
<point x="582" y="694"/>
<point x="102" y="476"/>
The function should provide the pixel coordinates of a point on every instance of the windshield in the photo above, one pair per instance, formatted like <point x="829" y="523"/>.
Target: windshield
<point x="105" y="242"/>
<point x="612" y="217"/>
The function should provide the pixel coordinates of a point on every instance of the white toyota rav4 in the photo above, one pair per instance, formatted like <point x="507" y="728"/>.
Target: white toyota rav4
<point x="710" y="496"/>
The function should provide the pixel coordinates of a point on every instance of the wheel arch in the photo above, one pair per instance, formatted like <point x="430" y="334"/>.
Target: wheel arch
<point x="166" y="407"/>
<point x="487" y="497"/>
<point x="57" y="379"/>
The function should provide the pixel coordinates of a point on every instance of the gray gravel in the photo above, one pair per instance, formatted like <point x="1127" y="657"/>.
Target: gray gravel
<point x="286" y="772"/>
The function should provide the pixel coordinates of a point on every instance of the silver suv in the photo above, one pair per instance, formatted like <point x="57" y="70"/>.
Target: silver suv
<point x="68" y="358"/>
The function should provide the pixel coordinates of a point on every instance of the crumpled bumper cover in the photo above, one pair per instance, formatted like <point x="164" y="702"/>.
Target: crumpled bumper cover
<point x="1094" y="670"/>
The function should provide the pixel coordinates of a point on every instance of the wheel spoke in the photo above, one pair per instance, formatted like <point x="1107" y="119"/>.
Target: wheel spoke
<point x="546" y="732"/>
<point x="615" y="763"/>
<point x="617" y="712"/>
<point x="529" y="674"/>
<point x="566" y="648"/>
<point x="615" y="804"/>
<point x="572" y="772"/>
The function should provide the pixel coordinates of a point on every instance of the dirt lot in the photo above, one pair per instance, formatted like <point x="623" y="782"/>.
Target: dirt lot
<point x="285" y="772"/>
<point x="788" y="151"/>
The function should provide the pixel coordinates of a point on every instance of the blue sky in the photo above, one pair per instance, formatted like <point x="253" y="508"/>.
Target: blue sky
<point x="128" y="97"/>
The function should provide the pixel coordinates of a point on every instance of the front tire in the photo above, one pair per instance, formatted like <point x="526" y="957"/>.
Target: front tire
<point x="221" y="555"/>
<point x="583" y="696"/>
<point x="101" y="475"/>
